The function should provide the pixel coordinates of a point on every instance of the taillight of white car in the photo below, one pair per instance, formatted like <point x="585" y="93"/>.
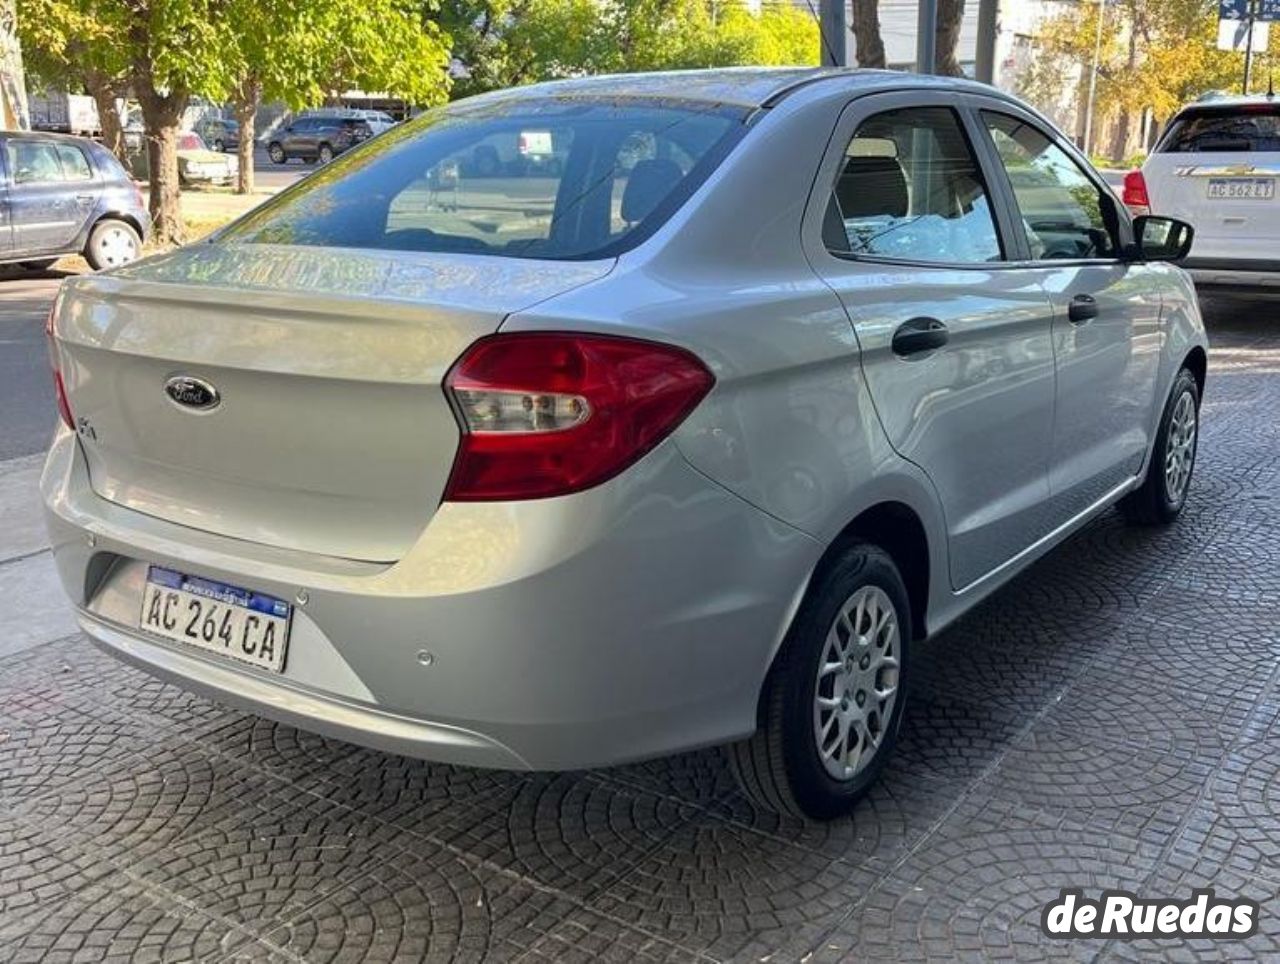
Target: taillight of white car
<point x="547" y="414"/>
<point x="1135" y="195"/>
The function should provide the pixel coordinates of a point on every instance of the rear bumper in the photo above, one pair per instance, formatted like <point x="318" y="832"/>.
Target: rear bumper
<point x="317" y="712"/>
<point x="633" y="620"/>
<point x="1234" y="272"/>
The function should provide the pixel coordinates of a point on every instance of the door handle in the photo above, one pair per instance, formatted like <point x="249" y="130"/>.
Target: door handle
<point x="1082" y="309"/>
<point x="919" y="335"/>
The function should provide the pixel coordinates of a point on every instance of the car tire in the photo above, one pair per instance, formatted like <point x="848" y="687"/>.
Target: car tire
<point x="275" y="151"/>
<point x="219" y="146"/>
<point x="1163" y="493"/>
<point x="111" y="244"/>
<point x="43" y="264"/>
<point x="800" y="760"/>
<point x="325" y="154"/>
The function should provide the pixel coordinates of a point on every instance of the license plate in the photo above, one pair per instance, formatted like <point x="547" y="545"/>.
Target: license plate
<point x="1242" y="188"/>
<point x="215" y="617"/>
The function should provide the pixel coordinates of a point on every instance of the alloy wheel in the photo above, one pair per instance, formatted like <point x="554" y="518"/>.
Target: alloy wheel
<point x="857" y="683"/>
<point x="1180" y="450"/>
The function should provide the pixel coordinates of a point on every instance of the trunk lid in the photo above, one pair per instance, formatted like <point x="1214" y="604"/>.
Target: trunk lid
<point x="331" y="433"/>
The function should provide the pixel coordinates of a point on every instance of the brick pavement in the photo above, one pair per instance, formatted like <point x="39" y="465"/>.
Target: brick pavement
<point x="1112" y="719"/>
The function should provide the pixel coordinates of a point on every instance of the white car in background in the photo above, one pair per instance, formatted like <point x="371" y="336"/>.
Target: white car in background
<point x="1217" y="167"/>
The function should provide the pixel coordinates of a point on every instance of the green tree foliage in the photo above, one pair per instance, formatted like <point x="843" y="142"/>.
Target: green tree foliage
<point x="301" y="54"/>
<point x="1156" y="54"/>
<point x="65" y="47"/>
<point x="168" y="51"/>
<point x="503" y="43"/>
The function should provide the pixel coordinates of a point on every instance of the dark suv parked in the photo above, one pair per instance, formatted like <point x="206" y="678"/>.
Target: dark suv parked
<point x="219" y="133"/>
<point x="317" y="138"/>
<point x="68" y="195"/>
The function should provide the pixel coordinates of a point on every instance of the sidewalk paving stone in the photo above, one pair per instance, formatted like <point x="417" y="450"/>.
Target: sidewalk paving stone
<point x="1110" y="719"/>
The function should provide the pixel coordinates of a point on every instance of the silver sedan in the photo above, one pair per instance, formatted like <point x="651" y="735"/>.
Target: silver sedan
<point x="609" y="418"/>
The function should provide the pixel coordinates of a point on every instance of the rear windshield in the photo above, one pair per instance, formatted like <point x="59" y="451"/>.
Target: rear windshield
<point x="557" y="179"/>
<point x="1255" y="127"/>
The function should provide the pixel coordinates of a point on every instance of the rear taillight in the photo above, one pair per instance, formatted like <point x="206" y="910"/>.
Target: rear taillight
<point x="59" y="386"/>
<point x="546" y="414"/>
<point x="1135" y="193"/>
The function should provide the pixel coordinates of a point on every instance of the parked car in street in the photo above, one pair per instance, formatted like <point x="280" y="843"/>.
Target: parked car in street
<point x="688" y="445"/>
<point x="197" y="164"/>
<point x="219" y="133"/>
<point x="318" y="138"/>
<point x="1216" y="166"/>
<point x="68" y="195"/>
<point x="377" y="120"/>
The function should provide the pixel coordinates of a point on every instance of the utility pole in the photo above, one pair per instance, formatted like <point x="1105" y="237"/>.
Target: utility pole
<point x="927" y="37"/>
<point x="1087" y="140"/>
<point x="834" y="30"/>
<point x="1248" y="48"/>
<point x="985" y="55"/>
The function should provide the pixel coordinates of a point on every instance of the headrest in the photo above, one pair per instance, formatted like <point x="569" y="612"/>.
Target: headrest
<point x="871" y="186"/>
<point x="649" y="184"/>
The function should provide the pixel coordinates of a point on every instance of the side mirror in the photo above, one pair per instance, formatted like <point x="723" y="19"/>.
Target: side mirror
<point x="1161" y="239"/>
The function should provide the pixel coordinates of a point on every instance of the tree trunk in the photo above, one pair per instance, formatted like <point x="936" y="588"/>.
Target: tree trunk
<point x="246" y="109"/>
<point x="105" y="93"/>
<point x="950" y="19"/>
<point x="161" y="115"/>
<point x="1120" y="137"/>
<point x="1120" y="133"/>
<point x="866" y="33"/>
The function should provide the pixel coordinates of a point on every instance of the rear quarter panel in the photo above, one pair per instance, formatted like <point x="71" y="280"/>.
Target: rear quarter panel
<point x="789" y="426"/>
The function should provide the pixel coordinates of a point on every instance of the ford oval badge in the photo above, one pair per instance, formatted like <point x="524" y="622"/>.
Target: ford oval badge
<point x="191" y="392"/>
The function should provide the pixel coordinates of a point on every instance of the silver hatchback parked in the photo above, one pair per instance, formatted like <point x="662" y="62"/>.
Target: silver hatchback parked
<point x="683" y="441"/>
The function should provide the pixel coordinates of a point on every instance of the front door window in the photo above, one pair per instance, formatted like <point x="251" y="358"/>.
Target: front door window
<point x="1063" y="210"/>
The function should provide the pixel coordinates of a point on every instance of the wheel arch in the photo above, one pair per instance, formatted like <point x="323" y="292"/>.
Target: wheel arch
<point x="897" y="529"/>
<point x="1197" y="361"/>
<point x="900" y="530"/>
<point x="112" y="215"/>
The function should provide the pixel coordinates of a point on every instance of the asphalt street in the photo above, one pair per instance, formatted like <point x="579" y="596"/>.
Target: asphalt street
<point x="27" y="411"/>
<point x="273" y="177"/>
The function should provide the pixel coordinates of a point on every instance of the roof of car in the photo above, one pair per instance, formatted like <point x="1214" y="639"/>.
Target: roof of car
<point x="736" y="86"/>
<point x="47" y="136"/>
<point x="1227" y="101"/>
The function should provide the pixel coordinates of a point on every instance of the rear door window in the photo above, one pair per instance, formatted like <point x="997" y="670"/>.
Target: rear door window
<point x="1247" y="128"/>
<point x="910" y="189"/>
<point x="75" y="166"/>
